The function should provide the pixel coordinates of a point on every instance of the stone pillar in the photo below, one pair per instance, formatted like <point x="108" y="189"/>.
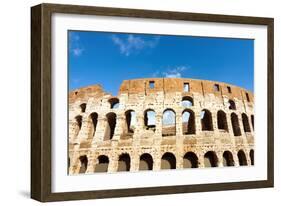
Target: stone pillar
<point x="235" y="159"/>
<point x="100" y="130"/>
<point x="113" y="163"/>
<point x="118" y="131"/>
<point x="220" y="159"/>
<point x="178" y="124"/>
<point x="135" y="161"/>
<point x="157" y="161"/>
<point x="158" y="131"/>
<point x="92" y="161"/>
<point x="201" y="160"/>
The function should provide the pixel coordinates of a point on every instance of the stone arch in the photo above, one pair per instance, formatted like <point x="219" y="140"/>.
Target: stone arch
<point x="246" y="124"/>
<point x="110" y="126"/>
<point x="83" y="164"/>
<point x="242" y="158"/>
<point x="206" y="120"/>
<point x="114" y="103"/>
<point x="150" y="119"/>
<point x="188" y="122"/>
<point x="187" y="101"/>
<point x="124" y="162"/>
<point x="102" y="164"/>
<point x="190" y="160"/>
<point x="83" y="107"/>
<point x="130" y="121"/>
<point x="232" y="104"/>
<point x="252" y="157"/>
<point x="235" y="124"/>
<point x="252" y="120"/>
<point x="169" y="122"/>
<point x="210" y="159"/>
<point x="227" y="159"/>
<point x="222" y="121"/>
<point x="146" y="162"/>
<point x="168" y="161"/>
<point x="93" y="123"/>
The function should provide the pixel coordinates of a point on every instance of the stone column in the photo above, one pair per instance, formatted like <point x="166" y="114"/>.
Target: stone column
<point x="100" y="130"/>
<point x="158" y="124"/>
<point x="220" y="159"/>
<point x="135" y="160"/>
<point x="92" y="161"/>
<point x="201" y="160"/>
<point x="118" y="131"/>
<point x="157" y="161"/>
<point x="178" y="124"/>
<point x="113" y="163"/>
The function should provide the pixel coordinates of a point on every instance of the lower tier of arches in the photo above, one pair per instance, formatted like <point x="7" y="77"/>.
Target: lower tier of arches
<point x="121" y="160"/>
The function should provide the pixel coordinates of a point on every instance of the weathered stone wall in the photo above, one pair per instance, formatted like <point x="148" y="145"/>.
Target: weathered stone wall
<point x="167" y="93"/>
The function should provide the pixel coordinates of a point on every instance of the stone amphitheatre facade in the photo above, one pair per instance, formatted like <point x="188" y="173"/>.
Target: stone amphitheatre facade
<point x="210" y="124"/>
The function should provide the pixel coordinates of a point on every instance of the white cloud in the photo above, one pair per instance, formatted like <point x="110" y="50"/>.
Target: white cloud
<point x="133" y="43"/>
<point x="75" y="45"/>
<point x="175" y="72"/>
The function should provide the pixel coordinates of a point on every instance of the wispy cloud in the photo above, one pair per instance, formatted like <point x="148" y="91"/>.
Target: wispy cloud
<point x="174" y="72"/>
<point x="134" y="43"/>
<point x="75" y="46"/>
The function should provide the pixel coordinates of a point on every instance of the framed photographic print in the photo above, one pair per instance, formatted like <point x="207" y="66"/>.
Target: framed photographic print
<point x="130" y="102"/>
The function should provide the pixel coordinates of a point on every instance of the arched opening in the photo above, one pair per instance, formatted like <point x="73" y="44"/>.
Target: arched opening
<point x="206" y="120"/>
<point x="83" y="107"/>
<point x="246" y="124"/>
<point x="93" y="123"/>
<point x="102" y="165"/>
<point x="77" y="125"/>
<point x="188" y="122"/>
<point x="146" y="162"/>
<point x="187" y="101"/>
<point x="252" y="120"/>
<point x="169" y="123"/>
<point x="110" y="127"/>
<point x="222" y="122"/>
<point x="190" y="160"/>
<point x="130" y="121"/>
<point x="242" y="158"/>
<point x="149" y="119"/>
<point x="252" y="156"/>
<point x="210" y="159"/>
<point x="168" y="161"/>
<point x="235" y="125"/>
<point x="114" y="103"/>
<point x="83" y="164"/>
<point x="232" y="105"/>
<point x="124" y="162"/>
<point x="228" y="159"/>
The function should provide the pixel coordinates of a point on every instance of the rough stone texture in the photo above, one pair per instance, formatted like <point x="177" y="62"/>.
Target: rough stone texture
<point x="167" y="93"/>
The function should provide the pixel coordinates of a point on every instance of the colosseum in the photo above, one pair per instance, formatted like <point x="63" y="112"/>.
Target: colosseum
<point x="160" y="123"/>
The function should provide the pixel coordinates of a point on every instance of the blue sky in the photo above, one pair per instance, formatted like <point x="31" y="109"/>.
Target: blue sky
<point x="109" y="58"/>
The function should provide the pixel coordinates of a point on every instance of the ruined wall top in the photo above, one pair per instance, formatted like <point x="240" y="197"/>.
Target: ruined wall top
<point x="167" y="85"/>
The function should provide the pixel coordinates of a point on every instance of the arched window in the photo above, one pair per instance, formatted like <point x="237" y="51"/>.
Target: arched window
<point x="114" y="103"/>
<point x="83" y="164"/>
<point x="169" y="123"/>
<point x="188" y="122"/>
<point x="124" y="162"/>
<point x="221" y="119"/>
<point x="252" y="156"/>
<point x="190" y="160"/>
<point x="242" y="158"/>
<point x="130" y="120"/>
<point x="228" y="159"/>
<point x="110" y="127"/>
<point x="210" y="159"/>
<point x="83" y="107"/>
<point x="168" y="161"/>
<point x="149" y="119"/>
<point x="246" y="124"/>
<point x="232" y="104"/>
<point x="102" y="165"/>
<point x="206" y="120"/>
<point x="187" y="101"/>
<point x="235" y="125"/>
<point x="93" y="123"/>
<point x="146" y="162"/>
<point x="252" y="120"/>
